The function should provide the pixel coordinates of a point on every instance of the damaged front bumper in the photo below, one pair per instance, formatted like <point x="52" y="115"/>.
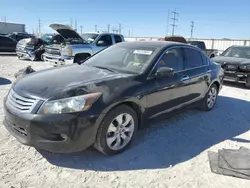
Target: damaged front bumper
<point x="233" y="76"/>
<point x="28" y="54"/>
<point x="57" y="133"/>
<point x="57" y="60"/>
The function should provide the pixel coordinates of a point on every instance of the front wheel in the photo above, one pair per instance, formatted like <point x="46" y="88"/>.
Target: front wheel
<point x="117" y="130"/>
<point x="210" y="99"/>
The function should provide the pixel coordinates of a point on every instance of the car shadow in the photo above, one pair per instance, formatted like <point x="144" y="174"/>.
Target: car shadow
<point x="4" y="81"/>
<point x="168" y="142"/>
<point x="235" y="84"/>
<point x="7" y="54"/>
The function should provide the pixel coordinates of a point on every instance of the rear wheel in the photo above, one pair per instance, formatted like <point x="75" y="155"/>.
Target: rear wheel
<point x="210" y="99"/>
<point x="117" y="130"/>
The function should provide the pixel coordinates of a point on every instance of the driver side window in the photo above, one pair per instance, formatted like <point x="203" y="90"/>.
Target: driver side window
<point x="172" y="58"/>
<point x="106" y="39"/>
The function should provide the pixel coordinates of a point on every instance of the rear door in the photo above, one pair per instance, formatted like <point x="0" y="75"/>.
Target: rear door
<point x="198" y="71"/>
<point x="7" y="44"/>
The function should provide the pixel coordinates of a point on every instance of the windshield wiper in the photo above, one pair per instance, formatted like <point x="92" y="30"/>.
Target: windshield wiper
<point x="106" y="68"/>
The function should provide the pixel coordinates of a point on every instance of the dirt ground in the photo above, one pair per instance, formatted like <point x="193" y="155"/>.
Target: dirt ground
<point x="169" y="154"/>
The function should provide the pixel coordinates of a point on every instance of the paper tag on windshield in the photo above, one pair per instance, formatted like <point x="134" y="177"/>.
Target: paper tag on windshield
<point x="143" y="52"/>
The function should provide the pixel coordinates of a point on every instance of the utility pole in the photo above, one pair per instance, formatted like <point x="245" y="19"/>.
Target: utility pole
<point x="108" y="28"/>
<point x="168" y="23"/>
<point x="81" y="29"/>
<point x="75" y="25"/>
<point x="129" y="33"/>
<point x="71" y="23"/>
<point x="192" y="28"/>
<point x="95" y="28"/>
<point x="174" y="21"/>
<point x="120" y="28"/>
<point x="5" y="19"/>
<point x="39" y="27"/>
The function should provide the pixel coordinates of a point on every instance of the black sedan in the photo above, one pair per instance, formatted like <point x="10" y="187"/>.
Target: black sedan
<point x="236" y="62"/>
<point x="104" y="100"/>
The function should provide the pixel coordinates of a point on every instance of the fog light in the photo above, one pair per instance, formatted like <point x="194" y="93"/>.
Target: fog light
<point x="64" y="136"/>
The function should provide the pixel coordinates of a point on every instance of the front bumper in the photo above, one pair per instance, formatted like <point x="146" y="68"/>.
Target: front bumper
<point x="233" y="76"/>
<point x="57" y="60"/>
<point x="29" y="54"/>
<point x="58" y="133"/>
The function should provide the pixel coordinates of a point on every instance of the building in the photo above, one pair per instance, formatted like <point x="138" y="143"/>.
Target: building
<point x="8" y="28"/>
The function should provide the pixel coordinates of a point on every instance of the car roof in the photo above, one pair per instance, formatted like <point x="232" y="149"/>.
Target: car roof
<point x="242" y="46"/>
<point x="153" y="44"/>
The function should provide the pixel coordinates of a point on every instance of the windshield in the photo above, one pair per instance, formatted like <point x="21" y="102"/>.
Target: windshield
<point x="89" y="37"/>
<point x="124" y="58"/>
<point x="197" y="44"/>
<point x="238" y="52"/>
<point x="47" y="38"/>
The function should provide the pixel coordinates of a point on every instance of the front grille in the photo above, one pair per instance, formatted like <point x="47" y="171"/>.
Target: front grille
<point x="231" y="67"/>
<point x="19" y="103"/>
<point x="52" y="51"/>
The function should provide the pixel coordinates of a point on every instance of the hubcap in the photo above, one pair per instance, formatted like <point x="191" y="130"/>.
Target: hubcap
<point x="120" y="131"/>
<point x="211" y="97"/>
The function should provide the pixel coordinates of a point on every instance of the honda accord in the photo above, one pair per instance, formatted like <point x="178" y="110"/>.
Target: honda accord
<point x="103" y="101"/>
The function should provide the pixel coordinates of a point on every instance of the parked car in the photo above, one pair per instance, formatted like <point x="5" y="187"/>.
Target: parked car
<point x="77" y="48"/>
<point x="236" y="62"/>
<point x="7" y="44"/>
<point x="103" y="101"/>
<point x="200" y="44"/>
<point x="33" y="48"/>
<point x="19" y="36"/>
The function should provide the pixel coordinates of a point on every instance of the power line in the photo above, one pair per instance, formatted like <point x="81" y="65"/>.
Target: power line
<point x="192" y="28"/>
<point x="174" y="20"/>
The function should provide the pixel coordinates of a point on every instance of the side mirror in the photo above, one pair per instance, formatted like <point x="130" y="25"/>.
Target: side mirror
<point x="101" y="43"/>
<point x="164" y="71"/>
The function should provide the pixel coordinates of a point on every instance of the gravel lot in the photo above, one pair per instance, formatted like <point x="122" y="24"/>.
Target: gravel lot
<point x="171" y="153"/>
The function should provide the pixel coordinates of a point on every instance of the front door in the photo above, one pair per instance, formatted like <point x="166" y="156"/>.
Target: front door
<point x="170" y="92"/>
<point x="197" y="65"/>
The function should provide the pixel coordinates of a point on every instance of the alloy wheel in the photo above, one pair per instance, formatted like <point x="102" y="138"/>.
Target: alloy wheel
<point x="120" y="131"/>
<point x="211" y="98"/>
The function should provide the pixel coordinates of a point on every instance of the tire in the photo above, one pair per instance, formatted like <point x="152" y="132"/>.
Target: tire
<point x="210" y="96"/>
<point x="247" y="84"/>
<point x="108" y="136"/>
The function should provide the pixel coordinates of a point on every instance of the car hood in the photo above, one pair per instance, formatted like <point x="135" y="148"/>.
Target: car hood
<point x="65" y="81"/>
<point x="231" y="60"/>
<point x="29" y="41"/>
<point x="66" y="31"/>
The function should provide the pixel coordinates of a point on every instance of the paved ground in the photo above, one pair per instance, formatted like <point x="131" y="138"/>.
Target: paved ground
<point x="172" y="153"/>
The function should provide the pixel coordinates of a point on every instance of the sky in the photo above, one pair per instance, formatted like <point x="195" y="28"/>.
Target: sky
<point x="140" y="18"/>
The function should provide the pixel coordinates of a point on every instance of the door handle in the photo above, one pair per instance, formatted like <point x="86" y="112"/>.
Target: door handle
<point x="184" y="78"/>
<point x="209" y="71"/>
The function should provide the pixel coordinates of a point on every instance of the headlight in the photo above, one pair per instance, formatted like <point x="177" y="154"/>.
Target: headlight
<point x="245" y="67"/>
<point x="67" y="51"/>
<point x="69" y="105"/>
